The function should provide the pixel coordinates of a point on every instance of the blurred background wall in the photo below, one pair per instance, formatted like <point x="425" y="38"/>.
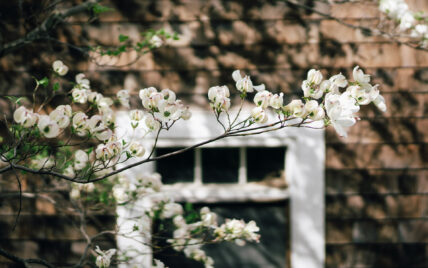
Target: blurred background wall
<point x="376" y="180"/>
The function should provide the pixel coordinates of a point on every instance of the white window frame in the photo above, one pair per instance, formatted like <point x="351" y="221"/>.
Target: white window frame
<point x="304" y="169"/>
<point x="240" y="191"/>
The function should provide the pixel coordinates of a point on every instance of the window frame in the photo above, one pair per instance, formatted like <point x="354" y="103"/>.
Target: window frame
<point x="304" y="170"/>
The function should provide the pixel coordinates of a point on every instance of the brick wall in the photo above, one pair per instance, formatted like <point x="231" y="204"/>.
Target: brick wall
<point x="376" y="180"/>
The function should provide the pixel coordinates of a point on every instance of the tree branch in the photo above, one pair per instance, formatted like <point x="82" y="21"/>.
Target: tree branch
<point x="146" y="160"/>
<point x="41" y="31"/>
<point x="366" y="30"/>
<point x="24" y="262"/>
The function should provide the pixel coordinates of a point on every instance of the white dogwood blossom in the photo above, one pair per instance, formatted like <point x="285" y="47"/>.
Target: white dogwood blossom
<point x="218" y="92"/>
<point x="104" y="257"/>
<point x="296" y="108"/>
<point x="263" y="98"/>
<point x="151" y="123"/>
<point x="94" y="97"/>
<point x="168" y="95"/>
<point x="259" y="115"/>
<point x="277" y="100"/>
<point x="379" y="101"/>
<point x="80" y="123"/>
<point x="82" y="82"/>
<point x="61" y="118"/>
<point x="81" y="158"/>
<point x="169" y="210"/>
<point x="79" y="95"/>
<point x="244" y="84"/>
<point x="219" y="98"/>
<point x="48" y="127"/>
<point x="168" y="111"/>
<point x="136" y="149"/>
<point x="156" y="41"/>
<point x="314" y="77"/>
<point x="59" y="67"/>
<point x="25" y="117"/>
<point x="341" y="110"/>
<point x="97" y="127"/>
<point x="336" y="82"/>
<point x="311" y="86"/>
<point x="236" y="230"/>
<point x="314" y="111"/>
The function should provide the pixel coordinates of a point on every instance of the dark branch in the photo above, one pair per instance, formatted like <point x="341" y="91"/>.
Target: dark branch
<point x="80" y="180"/>
<point x="20" y="199"/>
<point x="42" y="31"/>
<point x="366" y="30"/>
<point x="24" y="262"/>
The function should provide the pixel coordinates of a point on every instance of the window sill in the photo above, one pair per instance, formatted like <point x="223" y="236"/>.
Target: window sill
<point x="215" y="193"/>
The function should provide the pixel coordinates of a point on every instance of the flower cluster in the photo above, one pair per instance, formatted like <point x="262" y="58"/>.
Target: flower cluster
<point x="399" y="11"/>
<point x="323" y="99"/>
<point x="82" y="93"/>
<point x="341" y="107"/>
<point x="126" y="190"/>
<point x="50" y="126"/>
<point x="184" y="238"/>
<point x="162" y="106"/>
<point x="77" y="188"/>
<point x="159" y="110"/>
<point x="238" y="231"/>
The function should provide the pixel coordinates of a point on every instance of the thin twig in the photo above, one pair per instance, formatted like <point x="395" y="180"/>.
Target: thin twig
<point x="20" y="199"/>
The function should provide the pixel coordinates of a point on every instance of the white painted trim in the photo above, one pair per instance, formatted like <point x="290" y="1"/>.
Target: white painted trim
<point x="216" y="193"/>
<point x="305" y="175"/>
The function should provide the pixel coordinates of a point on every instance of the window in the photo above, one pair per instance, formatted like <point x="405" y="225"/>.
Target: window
<point x="248" y="179"/>
<point x="223" y="165"/>
<point x="225" y="174"/>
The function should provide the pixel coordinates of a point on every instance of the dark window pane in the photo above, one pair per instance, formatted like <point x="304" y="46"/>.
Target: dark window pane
<point x="178" y="168"/>
<point x="265" y="164"/>
<point x="220" y="165"/>
<point x="272" y="251"/>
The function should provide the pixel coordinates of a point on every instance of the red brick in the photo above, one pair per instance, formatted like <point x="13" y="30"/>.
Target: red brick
<point x="342" y="156"/>
<point x="376" y="207"/>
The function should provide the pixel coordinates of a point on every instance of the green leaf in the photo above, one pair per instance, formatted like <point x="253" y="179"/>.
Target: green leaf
<point x="98" y="9"/>
<point x="15" y="100"/>
<point x="43" y="82"/>
<point x="419" y="15"/>
<point x="121" y="49"/>
<point x="123" y="38"/>
<point x="56" y="86"/>
<point x="188" y="207"/>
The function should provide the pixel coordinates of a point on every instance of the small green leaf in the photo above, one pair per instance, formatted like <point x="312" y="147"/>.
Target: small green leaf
<point x="56" y="86"/>
<point x="419" y="15"/>
<point x="43" y="82"/>
<point x="123" y="38"/>
<point x="98" y="9"/>
<point x="14" y="99"/>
